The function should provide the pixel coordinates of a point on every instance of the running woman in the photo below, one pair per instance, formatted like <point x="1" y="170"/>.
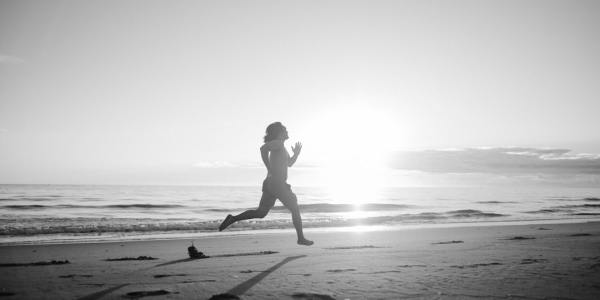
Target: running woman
<point x="277" y="160"/>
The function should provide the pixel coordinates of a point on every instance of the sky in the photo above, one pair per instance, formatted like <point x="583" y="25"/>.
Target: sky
<point x="163" y="92"/>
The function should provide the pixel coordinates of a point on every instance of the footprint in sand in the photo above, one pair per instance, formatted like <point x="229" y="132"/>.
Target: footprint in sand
<point x="168" y="275"/>
<point x="384" y="272"/>
<point x="340" y="270"/>
<point x="520" y="238"/>
<point x="448" y="242"/>
<point x="140" y="294"/>
<point x="251" y="271"/>
<point x="39" y="263"/>
<point x="476" y="265"/>
<point x="581" y="234"/>
<point x="195" y="281"/>
<point x="353" y="247"/>
<point x="74" y="275"/>
<point x="141" y="257"/>
<point x="527" y="261"/>
<point x="93" y="284"/>
<point x="578" y="258"/>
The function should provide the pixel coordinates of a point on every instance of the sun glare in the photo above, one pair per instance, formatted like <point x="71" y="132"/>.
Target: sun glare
<point x="351" y="145"/>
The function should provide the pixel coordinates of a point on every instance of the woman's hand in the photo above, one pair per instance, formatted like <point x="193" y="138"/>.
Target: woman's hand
<point x="297" y="148"/>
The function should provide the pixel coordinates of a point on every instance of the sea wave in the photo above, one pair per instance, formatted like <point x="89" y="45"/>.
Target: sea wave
<point x="587" y="205"/>
<point x="26" y="198"/>
<point x="573" y="198"/>
<point x="32" y="212"/>
<point x="472" y="213"/>
<point x="22" y="227"/>
<point x="573" y="209"/>
<point x="139" y="205"/>
<point x="329" y="207"/>
<point x="547" y="211"/>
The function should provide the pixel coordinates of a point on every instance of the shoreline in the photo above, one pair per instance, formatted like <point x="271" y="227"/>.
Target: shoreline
<point x="168" y="236"/>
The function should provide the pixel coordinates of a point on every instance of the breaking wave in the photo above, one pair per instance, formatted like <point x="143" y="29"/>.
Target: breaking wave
<point x="329" y="207"/>
<point x="38" y="206"/>
<point x="104" y="225"/>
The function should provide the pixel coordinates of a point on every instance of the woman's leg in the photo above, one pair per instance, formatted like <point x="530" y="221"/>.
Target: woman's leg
<point x="289" y="199"/>
<point x="266" y="203"/>
<point x="297" y="220"/>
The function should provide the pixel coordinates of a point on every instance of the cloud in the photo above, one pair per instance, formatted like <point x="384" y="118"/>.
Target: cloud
<point x="7" y="59"/>
<point x="503" y="160"/>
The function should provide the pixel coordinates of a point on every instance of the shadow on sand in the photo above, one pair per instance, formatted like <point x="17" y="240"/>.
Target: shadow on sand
<point x="102" y="293"/>
<point x="238" y="290"/>
<point x="177" y="261"/>
<point x="216" y="256"/>
<point x="243" y="287"/>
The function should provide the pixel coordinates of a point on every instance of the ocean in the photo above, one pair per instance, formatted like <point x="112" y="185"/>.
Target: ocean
<point x="90" y="213"/>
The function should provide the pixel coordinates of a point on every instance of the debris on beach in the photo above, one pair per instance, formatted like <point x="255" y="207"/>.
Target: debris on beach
<point x="194" y="253"/>
<point x="352" y="247"/>
<point x="581" y="234"/>
<point x="168" y="275"/>
<point x="141" y="257"/>
<point x="39" y="263"/>
<point x="340" y="270"/>
<point x="520" y="238"/>
<point x="252" y="271"/>
<point x="247" y="253"/>
<point x="140" y="294"/>
<point x="526" y="261"/>
<point x="448" y="242"/>
<point x="74" y="275"/>
<point x="476" y="265"/>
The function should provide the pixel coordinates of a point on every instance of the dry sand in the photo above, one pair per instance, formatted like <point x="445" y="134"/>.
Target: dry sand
<point x="560" y="261"/>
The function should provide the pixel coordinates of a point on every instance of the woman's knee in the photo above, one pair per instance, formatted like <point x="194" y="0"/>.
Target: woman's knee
<point x="292" y="206"/>
<point x="261" y="213"/>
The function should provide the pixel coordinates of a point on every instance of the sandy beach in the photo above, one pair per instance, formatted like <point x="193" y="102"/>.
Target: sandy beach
<point x="550" y="261"/>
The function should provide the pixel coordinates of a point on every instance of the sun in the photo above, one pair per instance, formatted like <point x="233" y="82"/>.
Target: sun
<point x="350" y="145"/>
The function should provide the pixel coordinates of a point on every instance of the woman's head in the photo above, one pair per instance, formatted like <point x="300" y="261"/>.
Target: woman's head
<point x="276" y="131"/>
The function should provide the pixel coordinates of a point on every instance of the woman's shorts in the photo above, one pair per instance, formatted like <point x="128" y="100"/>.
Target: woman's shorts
<point x="276" y="189"/>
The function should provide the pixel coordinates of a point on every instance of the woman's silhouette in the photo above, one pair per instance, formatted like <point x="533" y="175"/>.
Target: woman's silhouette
<point x="275" y="186"/>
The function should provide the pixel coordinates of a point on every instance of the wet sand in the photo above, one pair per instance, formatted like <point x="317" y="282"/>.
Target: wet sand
<point x="490" y="262"/>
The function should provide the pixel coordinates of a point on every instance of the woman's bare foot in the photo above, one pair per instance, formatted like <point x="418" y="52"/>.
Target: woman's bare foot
<point x="305" y="242"/>
<point x="228" y="221"/>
